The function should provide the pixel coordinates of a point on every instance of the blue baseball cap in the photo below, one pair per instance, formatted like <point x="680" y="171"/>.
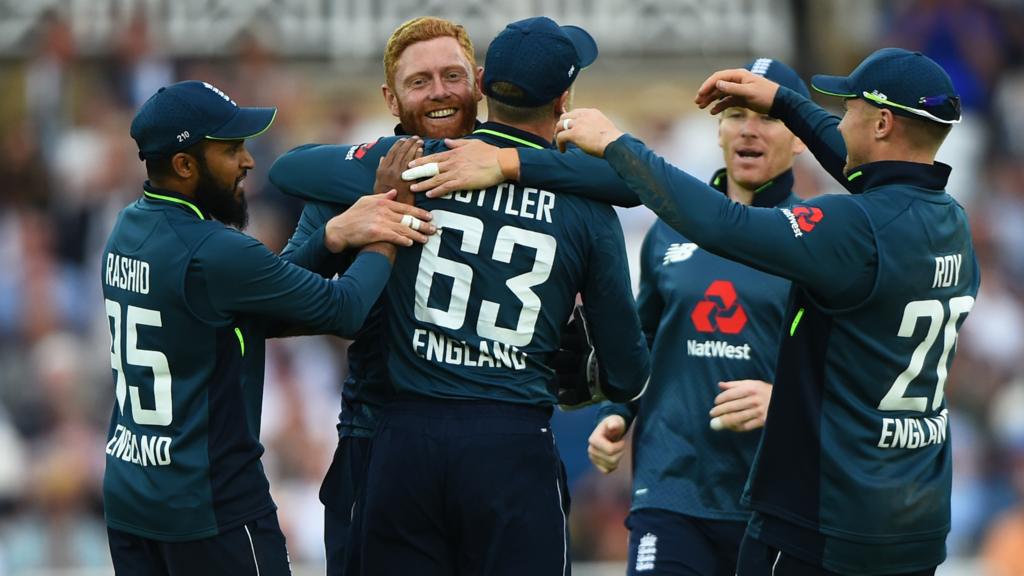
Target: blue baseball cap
<point x="778" y="72"/>
<point x="539" y="57"/>
<point x="909" y="83"/>
<point x="182" y="114"/>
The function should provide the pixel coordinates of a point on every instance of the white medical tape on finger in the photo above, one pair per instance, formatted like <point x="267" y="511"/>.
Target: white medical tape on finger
<point x="428" y="170"/>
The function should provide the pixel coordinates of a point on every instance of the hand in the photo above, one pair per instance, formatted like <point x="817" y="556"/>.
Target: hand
<point x="467" y="165"/>
<point x="389" y="171"/>
<point x="741" y="406"/>
<point x="587" y="128"/>
<point x="377" y="219"/>
<point x="606" y="443"/>
<point x="737" y="87"/>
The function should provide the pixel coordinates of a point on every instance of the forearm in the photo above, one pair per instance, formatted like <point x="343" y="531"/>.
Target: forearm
<point x="815" y="126"/>
<point x="574" y="172"/>
<point x="319" y="172"/>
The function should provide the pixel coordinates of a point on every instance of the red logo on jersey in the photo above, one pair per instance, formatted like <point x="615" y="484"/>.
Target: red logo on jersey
<point x="807" y="216"/>
<point x="362" y="150"/>
<point x="720" y="310"/>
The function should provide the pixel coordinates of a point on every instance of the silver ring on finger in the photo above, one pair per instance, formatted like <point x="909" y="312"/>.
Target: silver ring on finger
<point x="566" y="123"/>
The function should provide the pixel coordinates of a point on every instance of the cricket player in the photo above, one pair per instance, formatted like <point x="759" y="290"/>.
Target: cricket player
<point x="464" y="475"/>
<point x="189" y="300"/>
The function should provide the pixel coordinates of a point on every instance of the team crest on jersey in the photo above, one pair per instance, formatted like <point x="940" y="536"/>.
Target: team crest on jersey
<point x="720" y="310"/>
<point x="646" y="552"/>
<point x="802" y="219"/>
<point x="678" y="251"/>
<point x="359" y="151"/>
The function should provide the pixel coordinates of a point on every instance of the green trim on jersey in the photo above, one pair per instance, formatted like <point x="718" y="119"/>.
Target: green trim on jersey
<point x="241" y="340"/>
<point x="507" y="137"/>
<point x="796" y="321"/>
<point x="855" y="175"/>
<point x="763" y="186"/>
<point x="176" y="201"/>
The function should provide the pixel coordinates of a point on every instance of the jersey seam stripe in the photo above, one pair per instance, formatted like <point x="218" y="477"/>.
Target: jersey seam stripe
<point x="253" y="548"/>
<point x="561" y="511"/>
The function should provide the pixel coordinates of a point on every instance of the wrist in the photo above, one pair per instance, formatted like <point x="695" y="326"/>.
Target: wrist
<point x="335" y="243"/>
<point x="508" y="162"/>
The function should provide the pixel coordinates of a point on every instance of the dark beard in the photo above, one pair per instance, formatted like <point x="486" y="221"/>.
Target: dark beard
<point x="220" y="202"/>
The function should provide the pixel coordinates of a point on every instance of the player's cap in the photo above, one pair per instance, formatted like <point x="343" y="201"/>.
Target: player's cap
<point x="539" y="57"/>
<point x="909" y="83"/>
<point x="182" y="114"/>
<point x="778" y="72"/>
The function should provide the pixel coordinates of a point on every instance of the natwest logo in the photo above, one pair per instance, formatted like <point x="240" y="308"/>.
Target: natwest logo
<point x="807" y="216"/>
<point x="720" y="310"/>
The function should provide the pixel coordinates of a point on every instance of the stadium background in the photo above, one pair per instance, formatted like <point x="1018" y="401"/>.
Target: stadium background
<point x="73" y="71"/>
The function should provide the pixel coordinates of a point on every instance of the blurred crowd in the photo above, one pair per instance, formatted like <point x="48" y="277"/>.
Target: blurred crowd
<point x="67" y="165"/>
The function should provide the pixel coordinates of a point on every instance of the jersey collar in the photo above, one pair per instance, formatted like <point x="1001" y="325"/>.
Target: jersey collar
<point x="894" y="172"/>
<point x="767" y="195"/>
<point x="161" y="196"/>
<point x="400" y="130"/>
<point x="505" y="136"/>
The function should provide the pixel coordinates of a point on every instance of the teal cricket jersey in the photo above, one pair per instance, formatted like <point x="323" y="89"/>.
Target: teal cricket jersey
<point x="853" y="471"/>
<point x="189" y="301"/>
<point x="477" y="312"/>
<point x="709" y="320"/>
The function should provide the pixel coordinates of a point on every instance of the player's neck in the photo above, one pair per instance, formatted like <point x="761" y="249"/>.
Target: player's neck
<point x="542" y="129"/>
<point x="175" y="185"/>
<point x="900" y="152"/>
<point x="738" y="192"/>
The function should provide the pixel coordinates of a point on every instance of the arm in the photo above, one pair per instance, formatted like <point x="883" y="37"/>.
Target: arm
<point x="574" y="172"/>
<point x="826" y="245"/>
<point x="621" y="348"/>
<point x="232" y="274"/>
<point x="329" y="173"/>
<point x="306" y="247"/>
<point x="649" y="306"/>
<point x="472" y="164"/>
<point x="816" y="127"/>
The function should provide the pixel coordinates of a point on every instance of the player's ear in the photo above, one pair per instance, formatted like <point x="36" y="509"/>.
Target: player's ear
<point x="391" y="99"/>
<point x="884" y="123"/>
<point x="184" y="165"/>
<point x="564" y="102"/>
<point x="798" y="146"/>
<point x="478" y="84"/>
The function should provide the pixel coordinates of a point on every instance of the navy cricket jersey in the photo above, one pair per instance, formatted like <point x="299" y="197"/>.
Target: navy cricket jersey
<point x="853" y="472"/>
<point x="189" y="301"/>
<point x="709" y="320"/>
<point x="477" y="312"/>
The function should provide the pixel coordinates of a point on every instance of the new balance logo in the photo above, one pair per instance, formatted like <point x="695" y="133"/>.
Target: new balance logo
<point x="761" y="66"/>
<point x="219" y="92"/>
<point x="678" y="252"/>
<point x="646" y="553"/>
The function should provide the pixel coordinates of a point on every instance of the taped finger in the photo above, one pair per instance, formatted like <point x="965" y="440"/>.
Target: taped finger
<point x="428" y="170"/>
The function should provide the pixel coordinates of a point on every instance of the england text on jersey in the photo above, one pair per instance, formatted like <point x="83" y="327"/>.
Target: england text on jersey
<point x="138" y="448"/>
<point x="914" y="432"/>
<point x="440" y="348"/>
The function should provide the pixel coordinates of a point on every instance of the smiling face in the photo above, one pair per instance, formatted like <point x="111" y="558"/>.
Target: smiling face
<point x="436" y="89"/>
<point x="757" y="147"/>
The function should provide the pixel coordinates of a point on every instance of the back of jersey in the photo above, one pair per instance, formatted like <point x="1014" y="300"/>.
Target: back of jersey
<point x="881" y="475"/>
<point x="182" y="460"/>
<point x="479" y="309"/>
